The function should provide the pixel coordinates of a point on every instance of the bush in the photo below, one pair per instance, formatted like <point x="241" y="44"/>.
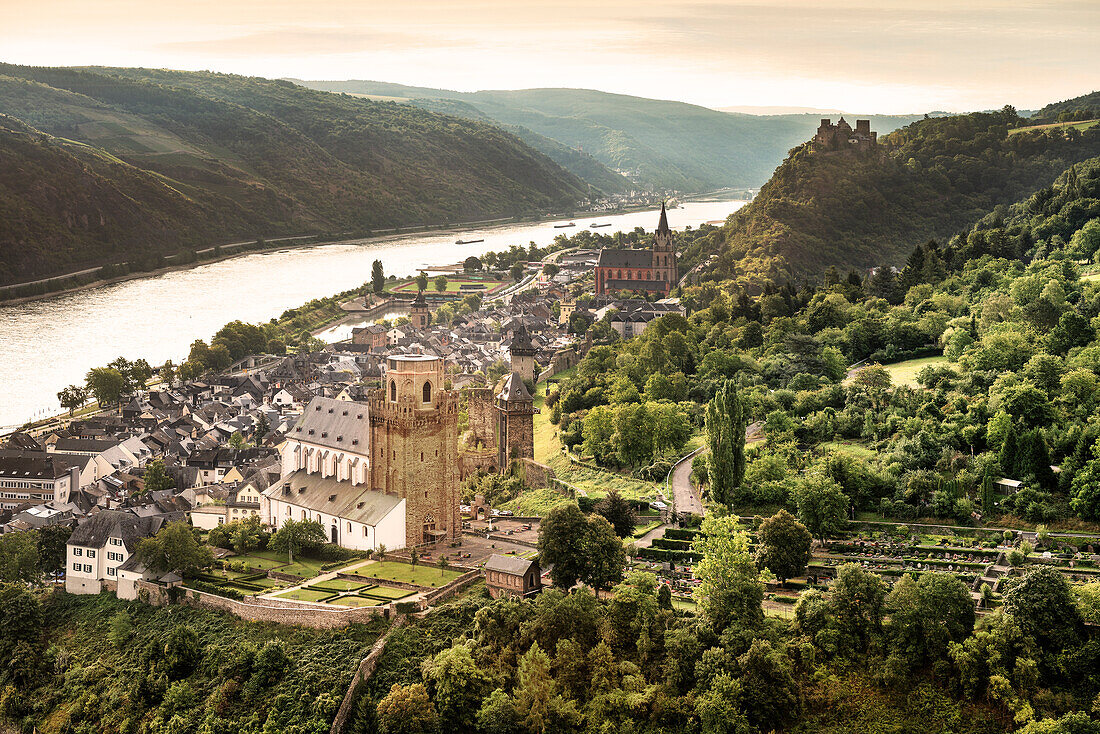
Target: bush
<point x="229" y="593"/>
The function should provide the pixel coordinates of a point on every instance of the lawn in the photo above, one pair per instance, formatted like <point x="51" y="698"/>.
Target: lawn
<point x="354" y="601"/>
<point x="421" y="574"/>
<point x="536" y="503"/>
<point x="385" y="592"/>
<point x="454" y="285"/>
<point x="905" y="373"/>
<point x="338" y="585"/>
<point x="852" y="449"/>
<point x="304" y="567"/>
<point x="305" y="595"/>
<point x="260" y="562"/>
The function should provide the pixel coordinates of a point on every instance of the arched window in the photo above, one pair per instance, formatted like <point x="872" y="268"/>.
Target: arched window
<point x="393" y="391"/>
<point x="427" y="392"/>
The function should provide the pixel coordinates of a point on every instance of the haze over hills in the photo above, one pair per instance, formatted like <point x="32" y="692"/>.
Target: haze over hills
<point x="103" y="165"/>
<point x="662" y="143"/>
<point x="925" y="181"/>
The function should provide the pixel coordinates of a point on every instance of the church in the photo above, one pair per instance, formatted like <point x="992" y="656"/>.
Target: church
<point x="652" y="271"/>
<point x="380" y="472"/>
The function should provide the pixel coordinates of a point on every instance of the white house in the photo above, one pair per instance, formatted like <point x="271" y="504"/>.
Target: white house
<point x="33" y="479"/>
<point x="101" y="544"/>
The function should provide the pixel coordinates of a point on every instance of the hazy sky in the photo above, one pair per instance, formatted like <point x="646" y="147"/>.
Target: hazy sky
<point x="858" y="55"/>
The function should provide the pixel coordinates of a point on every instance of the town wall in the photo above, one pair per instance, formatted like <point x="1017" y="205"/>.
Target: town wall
<point x="536" y="475"/>
<point x="479" y="408"/>
<point x="264" y="610"/>
<point x="478" y="461"/>
<point x="362" y="675"/>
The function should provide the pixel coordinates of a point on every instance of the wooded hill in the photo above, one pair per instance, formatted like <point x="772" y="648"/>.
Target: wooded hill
<point x="927" y="181"/>
<point x="103" y="165"/>
<point x="1085" y="107"/>
<point x="661" y="143"/>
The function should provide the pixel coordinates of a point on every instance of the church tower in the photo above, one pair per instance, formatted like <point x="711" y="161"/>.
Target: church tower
<point x="419" y="315"/>
<point x="522" y="353"/>
<point x="664" y="254"/>
<point x="414" y="446"/>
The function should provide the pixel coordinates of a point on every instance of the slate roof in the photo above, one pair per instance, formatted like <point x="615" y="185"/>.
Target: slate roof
<point x="332" y="497"/>
<point x="513" y="390"/>
<point x="509" y="564"/>
<point x="334" y="424"/>
<point x="70" y="445"/>
<point x="625" y="259"/>
<point x="94" y="531"/>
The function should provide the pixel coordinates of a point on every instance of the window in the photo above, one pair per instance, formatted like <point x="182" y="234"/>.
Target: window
<point x="427" y="392"/>
<point x="393" y="391"/>
<point x="87" y="568"/>
<point x="91" y="553"/>
<point x="76" y="566"/>
<point x="111" y="571"/>
<point x="349" y="527"/>
<point x="78" y="551"/>
<point x="116" y="541"/>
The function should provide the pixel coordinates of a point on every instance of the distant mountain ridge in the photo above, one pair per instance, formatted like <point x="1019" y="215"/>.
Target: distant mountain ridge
<point x="212" y="157"/>
<point x="660" y="143"/>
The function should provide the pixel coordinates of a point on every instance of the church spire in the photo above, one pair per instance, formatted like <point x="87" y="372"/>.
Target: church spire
<point x="662" y="226"/>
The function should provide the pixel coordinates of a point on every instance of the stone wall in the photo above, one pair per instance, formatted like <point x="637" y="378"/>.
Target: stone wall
<point x="266" y="610"/>
<point x="362" y="675"/>
<point x="479" y="408"/>
<point x="478" y="461"/>
<point x="536" y="475"/>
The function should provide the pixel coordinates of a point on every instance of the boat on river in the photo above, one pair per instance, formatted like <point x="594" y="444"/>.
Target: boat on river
<point x="467" y="242"/>
<point x="564" y="226"/>
<point x="597" y="226"/>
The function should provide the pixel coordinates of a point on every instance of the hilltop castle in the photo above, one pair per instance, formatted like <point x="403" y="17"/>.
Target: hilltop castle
<point x="841" y="136"/>
<point x="640" y="270"/>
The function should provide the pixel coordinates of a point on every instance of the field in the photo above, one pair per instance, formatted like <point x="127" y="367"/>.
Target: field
<point x="421" y="575"/>
<point x="454" y="285"/>
<point x="338" y="585"/>
<point x="354" y="601"/>
<point x="384" y="592"/>
<point x="852" y="449"/>
<point x="266" y="560"/>
<point x="905" y="373"/>
<point x="1083" y="125"/>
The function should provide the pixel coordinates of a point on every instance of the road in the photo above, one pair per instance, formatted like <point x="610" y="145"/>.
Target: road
<point x="684" y="498"/>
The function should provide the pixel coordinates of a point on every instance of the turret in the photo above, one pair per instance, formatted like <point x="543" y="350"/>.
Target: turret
<point x="419" y="315"/>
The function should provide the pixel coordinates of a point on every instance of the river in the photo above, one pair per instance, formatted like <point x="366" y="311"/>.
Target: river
<point x="53" y="342"/>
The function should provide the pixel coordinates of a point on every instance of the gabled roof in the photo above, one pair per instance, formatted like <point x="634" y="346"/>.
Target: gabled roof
<point x="513" y="390"/>
<point x="336" y="424"/>
<point x="509" y="564"/>
<point x="95" y="530"/>
<point x="625" y="259"/>
<point x="329" y="496"/>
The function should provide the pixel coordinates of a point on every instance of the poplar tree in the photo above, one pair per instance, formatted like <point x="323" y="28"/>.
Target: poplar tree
<point x="725" y="423"/>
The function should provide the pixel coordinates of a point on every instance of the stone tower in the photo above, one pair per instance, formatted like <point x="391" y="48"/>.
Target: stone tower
<point x="414" y="446"/>
<point x="522" y="353"/>
<point x="515" y="422"/>
<point x="664" y="254"/>
<point x="419" y="315"/>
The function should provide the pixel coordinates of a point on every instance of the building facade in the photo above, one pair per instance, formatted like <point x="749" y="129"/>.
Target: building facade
<point x="651" y="271"/>
<point x="841" y="136"/>
<point x="101" y="544"/>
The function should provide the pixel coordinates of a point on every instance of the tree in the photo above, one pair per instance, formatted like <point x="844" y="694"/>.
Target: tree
<point x="294" y="535"/>
<point x="237" y="441"/>
<point x="73" y="397"/>
<point x="182" y="652"/>
<point x="407" y="710"/>
<point x="822" y="506"/>
<point x="121" y="629"/>
<point x="156" y="479"/>
<point x="422" y="281"/>
<point x="168" y="372"/>
<point x="580" y="548"/>
<point x="857" y="606"/>
<point x="472" y="264"/>
<point x="730" y="589"/>
<point x="784" y="545"/>
<point x="377" y="277"/>
<point x="443" y="565"/>
<point x="551" y="269"/>
<point x="106" y="384"/>
<point x="19" y="558"/>
<point x="456" y="684"/>
<point x="517" y="272"/>
<point x="263" y="427"/>
<point x="619" y="513"/>
<point x="1042" y="603"/>
<point x="534" y="690"/>
<point x="52" y="548"/>
<point x="174" y="548"/>
<point x="497" y="714"/>
<point x="245" y="534"/>
<point x="725" y="425"/>
<point x="440" y="283"/>
<point x="926" y="616"/>
<point x="22" y="615"/>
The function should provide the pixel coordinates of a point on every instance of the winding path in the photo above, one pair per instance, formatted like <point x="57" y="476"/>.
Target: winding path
<point x="684" y="497"/>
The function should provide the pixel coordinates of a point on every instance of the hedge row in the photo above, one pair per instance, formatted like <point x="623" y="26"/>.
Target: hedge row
<point x="669" y="556"/>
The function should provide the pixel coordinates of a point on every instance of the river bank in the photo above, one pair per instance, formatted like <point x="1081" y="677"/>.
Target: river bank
<point x="53" y="342"/>
<point x="244" y="248"/>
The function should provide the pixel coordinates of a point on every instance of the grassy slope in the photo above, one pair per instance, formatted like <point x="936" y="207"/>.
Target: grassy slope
<point x="670" y="144"/>
<point x="244" y="157"/>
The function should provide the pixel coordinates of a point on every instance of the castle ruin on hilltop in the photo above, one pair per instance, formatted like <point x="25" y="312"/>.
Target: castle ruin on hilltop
<point x="841" y="136"/>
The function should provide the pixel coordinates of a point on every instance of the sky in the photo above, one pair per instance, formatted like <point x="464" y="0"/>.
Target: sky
<point x="881" y="56"/>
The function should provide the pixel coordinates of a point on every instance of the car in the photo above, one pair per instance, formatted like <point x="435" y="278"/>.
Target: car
<point x="658" y="505"/>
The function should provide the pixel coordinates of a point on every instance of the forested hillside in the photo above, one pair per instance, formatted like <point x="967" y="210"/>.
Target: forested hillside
<point x="928" y="180"/>
<point x="1085" y="107"/>
<point x="661" y="143"/>
<point x="224" y="157"/>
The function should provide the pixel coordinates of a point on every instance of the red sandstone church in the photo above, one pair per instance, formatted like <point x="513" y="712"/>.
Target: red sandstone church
<point x="651" y="270"/>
